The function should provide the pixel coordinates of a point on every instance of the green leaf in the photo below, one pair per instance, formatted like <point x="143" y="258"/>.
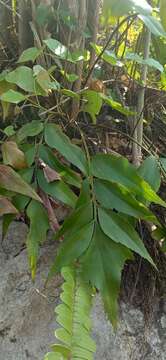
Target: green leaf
<point x="22" y="77"/>
<point x="102" y="266"/>
<point x="58" y="49"/>
<point x="70" y="93"/>
<point x="12" y="181"/>
<point x="31" y="129"/>
<point x="69" y="77"/>
<point x="20" y="202"/>
<point x="93" y="103"/>
<point x="30" y="54"/>
<point x="108" y="56"/>
<point x="9" y="130"/>
<point x="55" y="138"/>
<point x="68" y="175"/>
<point x="115" y="196"/>
<point x="12" y="96"/>
<point x="120" y="231"/>
<point x="117" y="106"/>
<point x="63" y="53"/>
<point x="43" y="79"/>
<point x="54" y="356"/>
<point x="118" y="169"/>
<point x="57" y="189"/>
<point x="80" y="217"/>
<point x="150" y="62"/>
<point x="73" y="315"/>
<point x="121" y="7"/>
<point x="39" y="225"/>
<point x="153" y="24"/>
<point x="149" y="171"/>
<point x="73" y="246"/>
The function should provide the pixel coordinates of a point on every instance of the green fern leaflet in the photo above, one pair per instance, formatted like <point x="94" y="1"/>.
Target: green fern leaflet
<point x="73" y="316"/>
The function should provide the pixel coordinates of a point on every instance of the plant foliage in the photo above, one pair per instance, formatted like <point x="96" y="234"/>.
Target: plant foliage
<point x="73" y="315"/>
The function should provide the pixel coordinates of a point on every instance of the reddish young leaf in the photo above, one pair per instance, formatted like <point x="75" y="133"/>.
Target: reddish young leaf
<point x="12" y="181"/>
<point x="13" y="156"/>
<point x="6" y="207"/>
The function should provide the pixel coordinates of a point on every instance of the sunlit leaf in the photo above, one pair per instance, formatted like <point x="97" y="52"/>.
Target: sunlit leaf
<point x="112" y="195"/>
<point x="123" y="7"/>
<point x="12" y="96"/>
<point x="154" y="25"/>
<point x="93" y="103"/>
<point x="118" y="169"/>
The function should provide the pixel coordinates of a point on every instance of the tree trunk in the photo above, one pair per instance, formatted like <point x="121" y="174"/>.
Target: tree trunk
<point x="24" y="29"/>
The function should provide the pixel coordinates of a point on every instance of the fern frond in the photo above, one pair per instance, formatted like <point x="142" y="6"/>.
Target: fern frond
<point x="73" y="314"/>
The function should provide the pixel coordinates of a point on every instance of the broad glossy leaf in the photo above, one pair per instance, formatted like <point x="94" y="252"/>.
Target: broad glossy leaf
<point x="13" y="156"/>
<point x="65" y="172"/>
<point x="57" y="189"/>
<point x="22" y="77"/>
<point x="123" y="7"/>
<point x="30" y="54"/>
<point x="12" y="181"/>
<point x="120" y="231"/>
<point x="12" y="96"/>
<point x="56" y="139"/>
<point x="63" y="52"/>
<point x="73" y="246"/>
<point x="118" y="169"/>
<point x="43" y="79"/>
<point x="6" y="207"/>
<point x="115" y="196"/>
<point x="30" y="129"/>
<point x="102" y="266"/>
<point x="39" y="225"/>
<point x="93" y="103"/>
<point x="149" y="171"/>
<point x="153" y="24"/>
<point x="58" y="49"/>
